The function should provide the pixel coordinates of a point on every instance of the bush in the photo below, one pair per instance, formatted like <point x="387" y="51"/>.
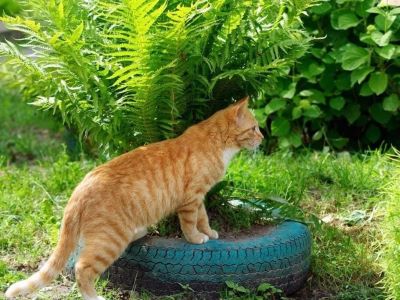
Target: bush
<point x="345" y="91"/>
<point x="390" y="258"/>
<point x="130" y="72"/>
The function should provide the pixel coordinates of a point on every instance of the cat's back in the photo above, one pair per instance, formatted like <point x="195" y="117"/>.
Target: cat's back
<point x="169" y="164"/>
<point x="144" y="161"/>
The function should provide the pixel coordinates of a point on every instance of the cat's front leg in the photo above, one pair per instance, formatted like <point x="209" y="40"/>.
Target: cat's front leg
<point x="188" y="214"/>
<point x="203" y="224"/>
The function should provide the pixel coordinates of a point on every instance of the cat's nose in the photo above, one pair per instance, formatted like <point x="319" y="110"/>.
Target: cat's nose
<point x="260" y="135"/>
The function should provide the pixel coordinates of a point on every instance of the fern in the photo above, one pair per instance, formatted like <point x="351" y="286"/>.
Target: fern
<point x="130" y="72"/>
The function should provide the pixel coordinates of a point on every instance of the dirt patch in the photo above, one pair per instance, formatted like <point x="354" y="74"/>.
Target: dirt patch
<point x="226" y="233"/>
<point x="255" y="230"/>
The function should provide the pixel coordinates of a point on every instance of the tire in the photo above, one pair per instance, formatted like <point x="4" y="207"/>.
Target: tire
<point x="280" y="256"/>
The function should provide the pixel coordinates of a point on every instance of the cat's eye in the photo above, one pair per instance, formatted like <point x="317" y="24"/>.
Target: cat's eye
<point x="254" y="128"/>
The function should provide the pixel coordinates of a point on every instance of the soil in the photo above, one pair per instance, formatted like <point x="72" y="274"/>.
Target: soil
<point x="227" y="233"/>
<point x="255" y="230"/>
<point x="227" y="228"/>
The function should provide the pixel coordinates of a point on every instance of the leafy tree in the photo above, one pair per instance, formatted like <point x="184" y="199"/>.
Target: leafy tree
<point x="129" y="72"/>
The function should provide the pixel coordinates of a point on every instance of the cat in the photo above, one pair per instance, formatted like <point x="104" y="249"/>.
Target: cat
<point x="117" y="201"/>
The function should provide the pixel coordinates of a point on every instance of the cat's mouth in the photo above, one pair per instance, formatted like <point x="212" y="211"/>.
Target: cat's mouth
<point x="254" y="145"/>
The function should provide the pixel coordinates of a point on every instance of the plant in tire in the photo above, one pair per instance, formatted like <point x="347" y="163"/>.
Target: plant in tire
<point x="345" y="91"/>
<point x="131" y="72"/>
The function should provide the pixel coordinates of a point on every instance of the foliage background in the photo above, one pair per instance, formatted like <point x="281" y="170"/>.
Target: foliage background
<point x="125" y="73"/>
<point x="345" y="91"/>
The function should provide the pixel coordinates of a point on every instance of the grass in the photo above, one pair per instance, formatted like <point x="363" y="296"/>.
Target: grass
<point x="343" y="190"/>
<point x="391" y="235"/>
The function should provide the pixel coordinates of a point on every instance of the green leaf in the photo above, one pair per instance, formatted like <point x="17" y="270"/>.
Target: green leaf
<point x="76" y="34"/>
<point x="384" y="22"/>
<point x="343" y="83"/>
<point x="365" y="90"/>
<point x="360" y="74"/>
<point x="313" y="95"/>
<point x="317" y="135"/>
<point x="263" y="287"/>
<point x="378" y="114"/>
<point x="352" y="112"/>
<point x="304" y="103"/>
<point x="295" y="139"/>
<point x="373" y="133"/>
<point x="376" y="10"/>
<point x="378" y="82"/>
<point x="296" y="112"/>
<point x="337" y="103"/>
<point x="386" y="52"/>
<point x="321" y="8"/>
<point x="353" y="57"/>
<point x="343" y="19"/>
<point x="242" y="289"/>
<point x="391" y="103"/>
<point x="260" y="115"/>
<point x="275" y="105"/>
<point x="366" y="38"/>
<point x="381" y="39"/>
<point x="310" y="68"/>
<point x="339" y="143"/>
<point x="395" y="11"/>
<point x="236" y="287"/>
<point x="280" y="127"/>
<point x="312" y="112"/>
<point x="362" y="6"/>
<point x="230" y="284"/>
<point x="60" y="10"/>
<point x="289" y="93"/>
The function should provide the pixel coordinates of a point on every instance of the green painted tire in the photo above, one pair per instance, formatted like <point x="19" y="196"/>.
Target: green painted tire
<point x="279" y="256"/>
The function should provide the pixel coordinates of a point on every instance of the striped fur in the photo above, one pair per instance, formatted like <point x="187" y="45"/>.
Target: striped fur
<point x="115" y="202"/>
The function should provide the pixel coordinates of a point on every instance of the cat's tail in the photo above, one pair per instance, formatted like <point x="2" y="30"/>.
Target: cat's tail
<point x="69" y="238"/>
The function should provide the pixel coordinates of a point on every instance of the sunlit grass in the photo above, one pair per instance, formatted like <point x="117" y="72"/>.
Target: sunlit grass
<point x="345" y="192"/>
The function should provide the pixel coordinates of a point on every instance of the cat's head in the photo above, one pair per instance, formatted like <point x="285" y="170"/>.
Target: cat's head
<point x="244" y="131"/>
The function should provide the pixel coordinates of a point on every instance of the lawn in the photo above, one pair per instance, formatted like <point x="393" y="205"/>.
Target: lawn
<point x="342" y="190"/>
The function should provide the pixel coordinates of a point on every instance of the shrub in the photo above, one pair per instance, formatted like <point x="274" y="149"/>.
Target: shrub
<point x="345" y="91"/>
<point x="130" y="72"/>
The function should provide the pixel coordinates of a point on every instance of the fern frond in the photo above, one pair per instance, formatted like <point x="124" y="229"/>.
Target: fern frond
<point x="129" y="72"/>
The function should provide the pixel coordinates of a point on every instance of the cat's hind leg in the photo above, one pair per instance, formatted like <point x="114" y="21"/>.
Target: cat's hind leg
<point x="139" y="233"/>
<point x="102" y="245"/>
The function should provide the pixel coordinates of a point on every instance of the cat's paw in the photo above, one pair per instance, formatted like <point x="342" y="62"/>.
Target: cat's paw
<point x="197" y="238"/>
<point x="213" y="234"/>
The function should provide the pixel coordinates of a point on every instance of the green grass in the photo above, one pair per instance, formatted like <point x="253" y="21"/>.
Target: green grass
<point x="26" y="134"/>
<point x="343" y="190"/>
<point x="390" y="258"/>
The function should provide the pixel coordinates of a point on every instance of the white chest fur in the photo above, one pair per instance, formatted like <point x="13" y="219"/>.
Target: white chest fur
<point x="227" y="155"/>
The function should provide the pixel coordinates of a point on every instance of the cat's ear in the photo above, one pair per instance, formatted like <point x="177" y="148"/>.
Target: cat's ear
<point x="240" y="108"/>
<point x="244" y="101"/>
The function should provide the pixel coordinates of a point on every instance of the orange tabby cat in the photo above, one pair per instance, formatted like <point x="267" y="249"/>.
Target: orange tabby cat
<point x="115" y="202"/>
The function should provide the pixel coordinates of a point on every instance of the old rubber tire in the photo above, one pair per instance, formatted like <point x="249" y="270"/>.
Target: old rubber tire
<point x="280" y="257"/>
